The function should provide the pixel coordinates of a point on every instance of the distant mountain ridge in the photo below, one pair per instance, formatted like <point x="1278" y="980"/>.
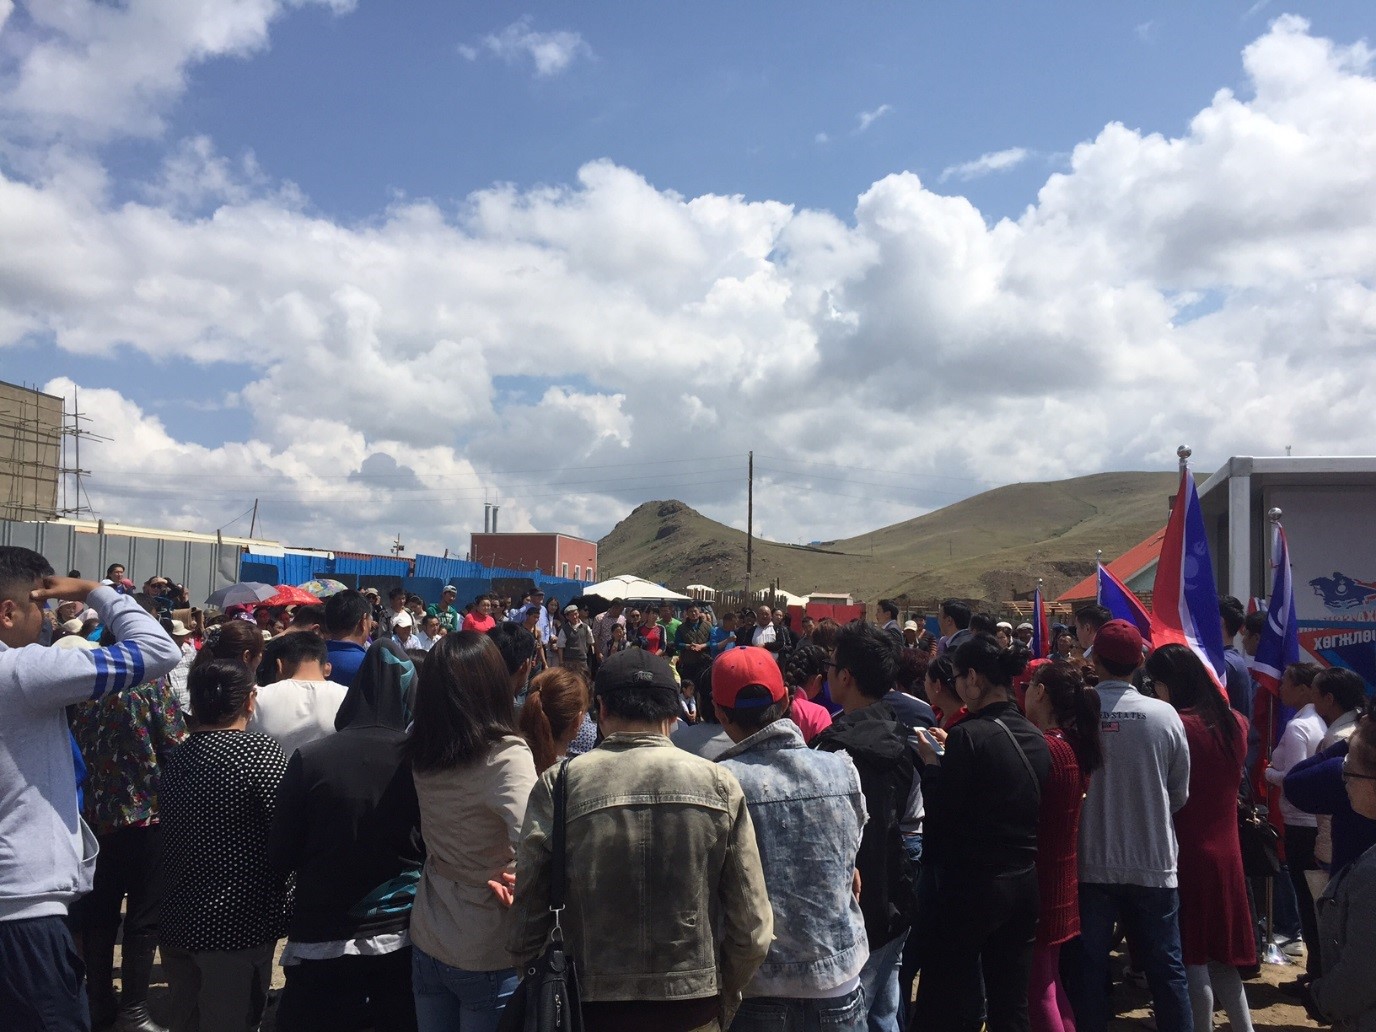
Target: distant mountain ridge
<point x="990" y="546"/>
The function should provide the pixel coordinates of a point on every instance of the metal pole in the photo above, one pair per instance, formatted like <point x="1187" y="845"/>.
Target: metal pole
<point x="1270" y="952"/>
<point x="749" y="522"/>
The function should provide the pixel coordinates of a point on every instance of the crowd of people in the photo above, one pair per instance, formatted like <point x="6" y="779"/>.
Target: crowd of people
<point x="857" y="827"/>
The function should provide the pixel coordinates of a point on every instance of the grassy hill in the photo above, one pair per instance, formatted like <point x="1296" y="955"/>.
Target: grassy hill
<point x="986" y="547"/>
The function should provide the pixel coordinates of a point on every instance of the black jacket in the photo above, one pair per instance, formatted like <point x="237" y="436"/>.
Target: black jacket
<point x="347" y="821"/>
<point x="880" y="746"/>
<point x="981" y="802"/>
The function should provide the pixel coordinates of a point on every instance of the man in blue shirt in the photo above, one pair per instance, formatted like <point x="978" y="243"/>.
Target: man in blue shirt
<point x="723" y="636"/>
<point x="348" y="623"/>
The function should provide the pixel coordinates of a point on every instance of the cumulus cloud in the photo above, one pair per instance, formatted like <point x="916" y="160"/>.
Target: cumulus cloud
<point x="576" y="349"/>
<point x="994" y="161"/>
<point x="865" y="119"/>
<point x="87" y="69"/>
<point x="549" y="52"/>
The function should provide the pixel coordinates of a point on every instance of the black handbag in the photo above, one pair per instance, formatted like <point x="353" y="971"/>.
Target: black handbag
<point x="1258" y="838"/>
<point x="547" y="998"/>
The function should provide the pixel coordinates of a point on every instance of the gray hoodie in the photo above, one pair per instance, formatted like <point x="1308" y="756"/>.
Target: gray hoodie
<point x="47" y="854"/>
<point x="1127" y="835"/>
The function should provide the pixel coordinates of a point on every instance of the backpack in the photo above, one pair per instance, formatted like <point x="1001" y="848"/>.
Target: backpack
<point x="880" y="746"/>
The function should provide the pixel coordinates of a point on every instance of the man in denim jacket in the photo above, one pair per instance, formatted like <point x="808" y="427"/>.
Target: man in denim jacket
<point x="667" y="912"/>
<point x="803" y="804"/>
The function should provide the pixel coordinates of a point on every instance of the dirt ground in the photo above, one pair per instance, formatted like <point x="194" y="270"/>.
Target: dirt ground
<point x="1271" y="1010"/>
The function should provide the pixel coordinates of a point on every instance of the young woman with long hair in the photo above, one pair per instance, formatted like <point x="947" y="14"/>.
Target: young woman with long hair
<point x="1068" y="714"/>
<point x="805" y="674"/>
<point x="981" y="795"/>
<point x="238" y="640"/>
<point x="1216" y="935"/>
<point x="473" y="775"/>
<point x="940" y="682"/>
<point x="553" y="714"/>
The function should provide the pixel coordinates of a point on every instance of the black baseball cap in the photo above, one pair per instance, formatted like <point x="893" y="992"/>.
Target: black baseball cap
<point x="635" y="670"/>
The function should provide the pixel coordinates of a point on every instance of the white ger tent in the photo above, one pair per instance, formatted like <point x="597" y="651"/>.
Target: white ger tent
<point x="634" y="589"/>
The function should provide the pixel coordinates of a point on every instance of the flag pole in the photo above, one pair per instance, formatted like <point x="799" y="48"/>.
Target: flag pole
<point x="1271" y="952"/>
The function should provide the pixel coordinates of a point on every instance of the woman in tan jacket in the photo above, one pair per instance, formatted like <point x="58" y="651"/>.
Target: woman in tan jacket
<point x="473" y="775"/>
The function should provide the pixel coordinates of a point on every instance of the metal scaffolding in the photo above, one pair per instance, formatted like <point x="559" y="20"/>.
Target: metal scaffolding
<point x="40" y="456"/>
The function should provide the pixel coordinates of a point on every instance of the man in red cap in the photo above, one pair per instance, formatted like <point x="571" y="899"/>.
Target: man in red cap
<point x="1128" y="848"/>
<point x="795" y="795"/>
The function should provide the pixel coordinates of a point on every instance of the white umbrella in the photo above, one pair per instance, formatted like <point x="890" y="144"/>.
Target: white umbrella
<point x="634" y="588"/>
<point x="245" y="593"/>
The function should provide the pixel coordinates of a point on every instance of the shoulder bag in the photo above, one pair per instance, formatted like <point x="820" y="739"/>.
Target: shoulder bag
<point x="1257" y="836"/>
<point x="1022" y="754"/>
<point x="547" y="998"/>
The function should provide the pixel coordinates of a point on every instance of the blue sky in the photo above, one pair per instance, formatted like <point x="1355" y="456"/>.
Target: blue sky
<point x="716" y="97"/>
<point x="391" y="128"/>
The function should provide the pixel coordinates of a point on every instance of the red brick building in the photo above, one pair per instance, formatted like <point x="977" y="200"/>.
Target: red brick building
<point x="559" y="555"/>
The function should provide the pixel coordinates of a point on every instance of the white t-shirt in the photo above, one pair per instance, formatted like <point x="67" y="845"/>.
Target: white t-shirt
<point x="176" y="680"/>
<point x="763" y="636"/>
<point x="296" y="712"/>
<point x="1299" y="741"/>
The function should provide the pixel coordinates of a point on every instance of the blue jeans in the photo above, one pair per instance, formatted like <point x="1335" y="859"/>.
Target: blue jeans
<point x="912" y="952"/>
<point x="450" y="1000"/>
<point x="879" y="980"/>
<point x="1150" y="919"/>
<point x="779" y="1014"/>
<point x="41" y="976"/>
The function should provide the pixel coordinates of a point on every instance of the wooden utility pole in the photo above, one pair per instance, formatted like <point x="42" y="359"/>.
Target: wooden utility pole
<point x="253" y="521"/>
<point x="749" y="523"/>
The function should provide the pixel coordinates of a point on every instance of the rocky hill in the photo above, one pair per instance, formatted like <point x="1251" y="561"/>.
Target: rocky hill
<point x="990" y="546"/>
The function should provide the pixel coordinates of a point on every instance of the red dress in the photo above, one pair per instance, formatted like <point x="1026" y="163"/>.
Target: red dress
<point x="1215" y="922"/>
<point x="1058" y="830"/>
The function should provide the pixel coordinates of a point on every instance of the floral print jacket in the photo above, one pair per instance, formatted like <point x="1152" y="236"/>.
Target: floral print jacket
<point x="125" y="738"/>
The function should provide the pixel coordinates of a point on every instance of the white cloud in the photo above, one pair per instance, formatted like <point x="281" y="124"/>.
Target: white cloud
<point x="1145" y="31"/>
<point x="85" y="69"/>
<point x="821" y="138"/>
<point x="550" y="52"/>
<point x="865" y="119"/>
<point x="577" y="349"/>
<point x="985" y="164"/>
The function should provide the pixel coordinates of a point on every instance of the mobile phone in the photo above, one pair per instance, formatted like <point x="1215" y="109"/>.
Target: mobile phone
<point x="931" y="740"/>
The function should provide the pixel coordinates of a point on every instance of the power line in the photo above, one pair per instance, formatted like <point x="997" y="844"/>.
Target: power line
<point x="382" y="476"/>
<point x="869" y="469"/>
<point x="857" y="483"/>
<point x="439" y="493"/>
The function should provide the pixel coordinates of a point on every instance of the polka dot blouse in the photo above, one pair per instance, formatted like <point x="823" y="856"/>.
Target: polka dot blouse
<point x="218" y="794"/>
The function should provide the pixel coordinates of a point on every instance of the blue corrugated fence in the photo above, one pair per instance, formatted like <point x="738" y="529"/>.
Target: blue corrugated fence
<point x="469" y="577"/>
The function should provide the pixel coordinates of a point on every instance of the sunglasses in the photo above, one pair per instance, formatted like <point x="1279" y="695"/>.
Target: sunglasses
<point x="1351" y="775"/>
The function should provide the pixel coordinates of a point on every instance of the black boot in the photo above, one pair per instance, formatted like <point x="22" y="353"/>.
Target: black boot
<point x="136" y="1018"/>
<point x="136" y="968"/>
<point x="98" y="951"/>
